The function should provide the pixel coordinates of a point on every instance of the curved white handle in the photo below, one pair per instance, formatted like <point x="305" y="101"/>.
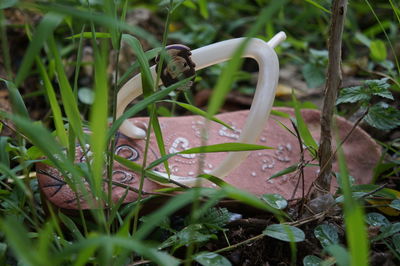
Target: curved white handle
<point x="209" y="55"/>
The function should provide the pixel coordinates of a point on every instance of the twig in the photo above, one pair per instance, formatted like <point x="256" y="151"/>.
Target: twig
<point x="331" y="89"/>
<point x="329" y="161"/>
<point x="374" y="191"/>
<point x="301" y="164"/>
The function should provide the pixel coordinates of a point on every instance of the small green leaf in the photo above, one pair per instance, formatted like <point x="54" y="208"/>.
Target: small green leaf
<point x="275" y="201"/>
<point x="395" y="204"/>
<point x="340" y="254"/>
<point x="376" y="219"/>
<point x="285" y="171"/>
<point x="211" y="259"/>
<point x="353" y="95"/>
<point x="326" y="234"/>
<point x="377" y="50"/>
<point x="86" y="95"/>
<point x="363" y="39"/>
<point x="215" y="218"/>
<point x="383" y="116"/>
<point x="191" y="234"/>
<point x="314" y="75"/>
<point x="363" y="94"/>
<point x="379" y="87"/>
<point x="284" y="232"/>
<point x="396" y="242"/>
<point x="203" y="8"/>
<point x="3" y="250"/>
<point x="388" y="231"/>
<point x="89" y="35"/>
<point x="311" y="260"/>
<point x="7" y="3"/>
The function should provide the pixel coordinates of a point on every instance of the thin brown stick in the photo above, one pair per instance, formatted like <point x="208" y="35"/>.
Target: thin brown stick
<point x="344" y="140"/>
<point x="301" y="164"/>
<point x="333" y="82"/>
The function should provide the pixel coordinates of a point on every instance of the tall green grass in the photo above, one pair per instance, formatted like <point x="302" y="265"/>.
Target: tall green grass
<point x="113" y="234"/>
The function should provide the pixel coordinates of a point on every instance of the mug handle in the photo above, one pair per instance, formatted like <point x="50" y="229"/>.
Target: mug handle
<point x="209" y="55"/>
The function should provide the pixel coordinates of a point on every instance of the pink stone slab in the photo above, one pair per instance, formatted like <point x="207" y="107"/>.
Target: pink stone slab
<point x="361" y="152"/>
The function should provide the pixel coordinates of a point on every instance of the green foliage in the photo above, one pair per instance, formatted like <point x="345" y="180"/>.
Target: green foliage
<point x="211" y="259"/>
<point x="364" y="93"/>
<point x="380" y="115"/>
<point x="304" y="131"/>
<point x="7" y="3"/>
<point x="311" y="260"/>
<point x="223" y="147"/>
<point x="340" y="254"/>
<point x="107" y="239"/>
<point x="275" y="201"/>
<point x="326" y="234"/>
<point x="314" y="70"/>
<point x="378" y="50"/>
<point x="215" y="218"/>
<point x="383" y="116"/>
<point x="376" y="219"/>
<point x="284" y="232"/>
<point x="191" y="234"/>
<point x="395" y="204"/>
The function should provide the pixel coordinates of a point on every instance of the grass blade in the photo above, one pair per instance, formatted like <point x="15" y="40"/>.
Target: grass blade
<point x="67" y="96"/>
<point x="55" y="107"/>
<point x="147" y="78"/>
<point x="149" y="55"/>
<point x="200" y="112"/>
<point x="138" y="168"/>
<point x="223" y="147"/>
<point x="17" y="237"/>
<point x="98" y="18"/>
<point x="312" y="2"/>
<point x="160" y="258"/>
<point x="305" y="133"/>
<point x="157" y="96"/>
<point x="285" y="171"/>
<point x="98" y="121"/>
<point x="17" y="103"/>
<point x="45" y="29"/>
<point x="356" y="231"/>
<point x="89" y="35"/>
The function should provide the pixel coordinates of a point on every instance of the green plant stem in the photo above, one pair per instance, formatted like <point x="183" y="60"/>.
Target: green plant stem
<point x="110" y="164"/>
